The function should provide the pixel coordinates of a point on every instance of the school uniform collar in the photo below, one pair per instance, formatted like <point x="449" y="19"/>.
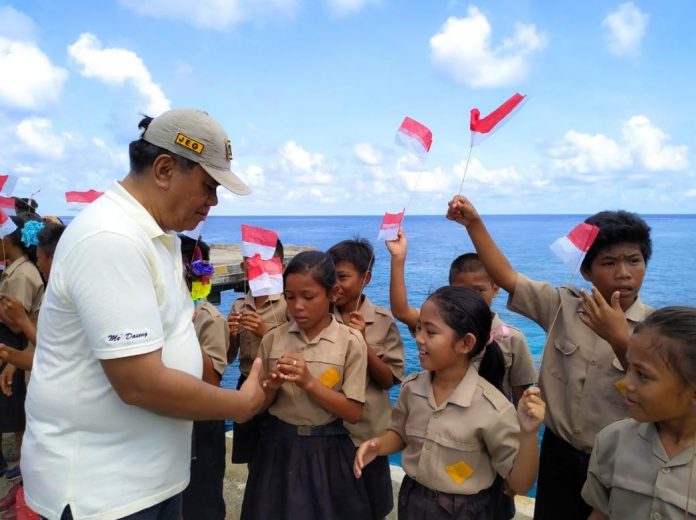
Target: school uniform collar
<point x="648" y="432"/>
<point x="636" y="312"/>
<point x="14" y="266"/>
<point x="249" y="299"/>
<point x="367" y="309"/>
<point x="329" y="333"/>
<point x="136" y="211"/>
<point x="497" y="322"/>
<point x="462" y="396"/>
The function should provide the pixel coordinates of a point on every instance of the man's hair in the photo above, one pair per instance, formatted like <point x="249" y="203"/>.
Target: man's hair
<point x="143" y="154"/>
<point x="466" y="263"/>
<point x="617" y="227"/>
<point x="357" y="252"/>
<point x="49" y="236"/>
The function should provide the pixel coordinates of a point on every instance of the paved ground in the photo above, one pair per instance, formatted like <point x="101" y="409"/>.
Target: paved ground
<point x="235" y="479"/>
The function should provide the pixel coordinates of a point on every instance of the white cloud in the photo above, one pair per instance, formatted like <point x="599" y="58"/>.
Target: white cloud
<point x="348" y="7"/>
<point x="368" y="154"/>
<point x="29" y="80"/>
<point x="213" y="14"/>
<point x="690" y="194"/>
<point x="463" y="50"/>
<point x="37" y="135"/>
<point x="15" y="25"/>
<point x="624" y="29"/>
<point x="644" y="146"/>
<point x="118" y="66"/>
<point x="647" y="143"/>
<point x="304" y="166"/>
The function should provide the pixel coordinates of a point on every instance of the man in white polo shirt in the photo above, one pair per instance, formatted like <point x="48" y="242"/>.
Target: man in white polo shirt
<point x="116" y="378"/>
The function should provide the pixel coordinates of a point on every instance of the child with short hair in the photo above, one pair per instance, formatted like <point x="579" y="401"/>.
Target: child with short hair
<point x="467" y="271"/>
<point x="203" y="498"/>
<point x="385" y="359"/>
<point x="585" y="345"/>
<point x="458" y="432"/>
<point x="314" y="371"/>
<point x="249" y="319"/>
<point x="643" y="467"/>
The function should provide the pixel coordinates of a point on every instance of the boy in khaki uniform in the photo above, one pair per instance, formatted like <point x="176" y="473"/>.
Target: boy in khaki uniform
<point x="249" y="320"/>
<point x="580" y="369"/>
<point x="385" y="365"/>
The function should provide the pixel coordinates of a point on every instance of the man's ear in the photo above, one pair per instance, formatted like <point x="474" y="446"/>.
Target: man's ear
<point x="585" y="274"/>
<point x="367" y="277"/>
<point x="162" y="171"/>
<point x="465" y="344"/>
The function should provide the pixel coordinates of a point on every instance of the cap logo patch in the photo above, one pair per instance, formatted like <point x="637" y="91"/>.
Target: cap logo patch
<point x="189" y="143"/>
<point x="228" y="149"/>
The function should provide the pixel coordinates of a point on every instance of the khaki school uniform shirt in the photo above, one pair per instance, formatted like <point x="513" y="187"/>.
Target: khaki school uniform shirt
<point x="459" y="446"/>
<point x="22" y="280"/>
<point x="519" y="363"/>
<point x="337" y="357"/>
<point x="631" y="477"/>
<point x="213" y="334"/>
<point x="382" y="336"/>
<point x="579" y="370"/>
<point x="273" y="312"/>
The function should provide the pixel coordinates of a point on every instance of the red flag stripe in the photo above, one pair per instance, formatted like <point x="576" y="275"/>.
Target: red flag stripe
<point x="489" y="122"/>
<point x="84" y="197"/>
<point x="257" y="235"/>
<point x="417" y="130"/>
<point x="583" y="236"/>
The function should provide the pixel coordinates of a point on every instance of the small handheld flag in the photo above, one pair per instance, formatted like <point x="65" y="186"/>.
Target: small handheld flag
<point x="482" y="128"/>
<point x="78" y="200"/>
<point x="415" y="136"/>
<point x="265" y="276"/>
<point x="389" y="228"/>
<point x="256" y="240"/>
<point x="572" y="248"/>
<point x="7" y="183"/>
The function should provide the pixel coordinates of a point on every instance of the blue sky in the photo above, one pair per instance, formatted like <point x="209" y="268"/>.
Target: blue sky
<point x="312" y="92"/>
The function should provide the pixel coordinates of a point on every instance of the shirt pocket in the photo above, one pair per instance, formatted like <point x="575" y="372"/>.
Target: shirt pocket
<point x="327" y="367"/>
<point x="560" y="365"/>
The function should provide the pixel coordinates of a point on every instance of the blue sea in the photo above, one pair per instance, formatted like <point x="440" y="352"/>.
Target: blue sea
<point x="434" y="242"/>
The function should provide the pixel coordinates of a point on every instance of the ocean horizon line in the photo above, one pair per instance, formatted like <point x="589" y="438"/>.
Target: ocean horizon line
<point x="649" y="215"/>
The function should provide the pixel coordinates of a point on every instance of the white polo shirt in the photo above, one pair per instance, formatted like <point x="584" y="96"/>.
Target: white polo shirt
<point x="116" y="290"/>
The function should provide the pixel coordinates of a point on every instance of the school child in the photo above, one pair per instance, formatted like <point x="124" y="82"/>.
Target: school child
<point x="385" y="359"/>
<point x="467" y="271"/>
<point x="579" y="366"/>
<point x="314" y="375"/>
<point x="203" y="498"/>
<point x="643" y="467"/>
<point x="456" y="430"/>
<point x="22" y="280"/>
<point x="249" y="319"/>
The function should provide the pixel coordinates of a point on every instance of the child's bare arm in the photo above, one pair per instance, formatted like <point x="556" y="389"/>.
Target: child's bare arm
<point x="398" y="297"/>
<point x="386" y="444"/>
<point x="495" y="262"/>
<point x="22" y="359"/>
<point x="530" y="412"/>
<point x="376" y="368"/>
<point x="596" y="515"/>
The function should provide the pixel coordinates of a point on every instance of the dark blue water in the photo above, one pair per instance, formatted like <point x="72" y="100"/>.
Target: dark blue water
<point x="434" y="242"/>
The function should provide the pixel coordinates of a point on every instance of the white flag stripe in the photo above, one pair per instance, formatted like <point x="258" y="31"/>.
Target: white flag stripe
<point x="564" y="249"/>
<point x="250" y="249"/>
<point x="265" y="285"/>
<point x="388" y="233"/>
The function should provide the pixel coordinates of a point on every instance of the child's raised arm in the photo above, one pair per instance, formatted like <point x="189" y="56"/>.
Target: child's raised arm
<point x="530" y="411"/>
<point x="398" y="297"/>
<point x="494" y="261"/>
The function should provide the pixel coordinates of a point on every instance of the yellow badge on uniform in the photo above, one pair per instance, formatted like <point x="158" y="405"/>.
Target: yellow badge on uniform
<point x="620" y="385"/>
<point x="330" y="377"/>
<point x="459" y="471"/>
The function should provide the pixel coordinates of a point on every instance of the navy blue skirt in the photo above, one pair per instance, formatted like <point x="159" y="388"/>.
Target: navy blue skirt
<point x="304" y="473"/>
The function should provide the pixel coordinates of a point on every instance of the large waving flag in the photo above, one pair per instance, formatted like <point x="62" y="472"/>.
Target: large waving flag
<point x="389" y="228"/>
<point x="572" y="247"/>
<point x="78" y="200"/>
<point x="7" y="183"/>
<point x="482" y="128"/>
<point x="256" y="240"/>
<point x="415" y="136"/>
<point x="265" y="276"/>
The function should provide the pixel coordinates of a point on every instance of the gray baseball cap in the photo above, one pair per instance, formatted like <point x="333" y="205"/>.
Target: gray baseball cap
<point x="195" y="135"/>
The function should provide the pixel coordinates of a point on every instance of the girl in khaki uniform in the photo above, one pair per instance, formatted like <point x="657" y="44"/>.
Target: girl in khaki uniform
<point x="644" y="467"/>
<point x="457" y="431"/>
<point x="314" y="374"/>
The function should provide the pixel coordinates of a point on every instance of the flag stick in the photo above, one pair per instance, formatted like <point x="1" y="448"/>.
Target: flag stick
<point x="466" y="168"/>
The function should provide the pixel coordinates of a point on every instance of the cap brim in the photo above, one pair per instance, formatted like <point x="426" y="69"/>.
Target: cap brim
<point x="228" y="179"/>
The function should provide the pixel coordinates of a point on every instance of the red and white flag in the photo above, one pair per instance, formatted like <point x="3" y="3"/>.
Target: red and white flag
<point x="482" y="128"/>
<point x="7" y="183"/>
<point x="572" y="247"/>
<point x="7" y="209"/>
<point x="78" y="200"/>
<point x="256" y="240"/>
<point x="389" y="228"/>
<point x="265" y="276"/>
<point x="415" y="136"/>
